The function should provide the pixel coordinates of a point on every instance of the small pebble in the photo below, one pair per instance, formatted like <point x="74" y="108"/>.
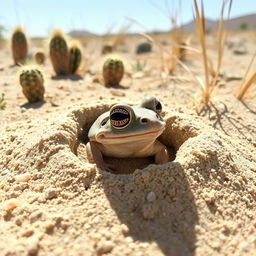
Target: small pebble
<point x="32" y="247"/>
<point x="5" y="171"/>
<point x="105" y="247"/>
<point x="35" y="216"/>
<point x="49" y="226"/>
<point x="124" y="229"/>
<point x="11" y="204"/>
<point x="28" y="233"/>
<point x="25" y="177"/>
<point x="96" y="79"/>
<point x="151" y="196"/>
<point x="50" y="193"/>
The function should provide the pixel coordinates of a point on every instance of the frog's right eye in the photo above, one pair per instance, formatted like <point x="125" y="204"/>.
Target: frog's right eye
<point x="120" y="117"/>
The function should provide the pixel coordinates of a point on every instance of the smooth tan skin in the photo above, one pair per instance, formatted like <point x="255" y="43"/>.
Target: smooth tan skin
<point x="137" y="139"/>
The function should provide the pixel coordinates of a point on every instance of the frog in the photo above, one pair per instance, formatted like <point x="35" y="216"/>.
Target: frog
<point x="127" y="131"/>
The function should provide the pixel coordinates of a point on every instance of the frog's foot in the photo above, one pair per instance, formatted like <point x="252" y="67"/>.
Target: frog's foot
<point x="162" y="156"/>
<point x="106" y="167"/>
<point x="89" y="153"/>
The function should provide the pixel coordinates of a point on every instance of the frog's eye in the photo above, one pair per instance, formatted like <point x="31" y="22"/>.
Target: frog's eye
<point x="120" y="117"/>
<point x="158" y="107"/>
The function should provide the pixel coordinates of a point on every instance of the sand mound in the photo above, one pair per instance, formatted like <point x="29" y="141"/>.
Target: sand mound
<point x="203" y="202"/>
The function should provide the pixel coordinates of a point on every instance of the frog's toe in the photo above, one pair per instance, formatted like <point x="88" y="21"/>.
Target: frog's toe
<point x="106" y="167"/>
<point x="111" y="168"/>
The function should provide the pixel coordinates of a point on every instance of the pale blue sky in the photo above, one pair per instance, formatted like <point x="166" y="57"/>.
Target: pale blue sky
<point x="40" y="17"/>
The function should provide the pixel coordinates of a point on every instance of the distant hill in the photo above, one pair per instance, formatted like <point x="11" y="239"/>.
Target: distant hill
<point x="190" y="27"/>
<point x="246" y="22"/>
<point x="78" y="33"/>
<point x="242" y="22"/>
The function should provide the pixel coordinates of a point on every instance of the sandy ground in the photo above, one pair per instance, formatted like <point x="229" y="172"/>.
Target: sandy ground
<point x="53" y="202"/>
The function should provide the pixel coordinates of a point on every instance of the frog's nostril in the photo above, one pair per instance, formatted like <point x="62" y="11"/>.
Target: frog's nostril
<point x="144" y="120"/>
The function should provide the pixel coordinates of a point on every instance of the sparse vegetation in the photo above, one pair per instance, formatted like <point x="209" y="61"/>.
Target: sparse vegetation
<point x="139" y="66"/>
<point x="111" y="42"/>
<point x="75" y="56"/>
<point x="65" y="56"/>
<point x="247" y="81"/>
<point x="144" y="47"/>
<point x="39" y="56"/>
<point x="244" y="26"/>
<point x="2" y="102"/>
<point x="210" y="75"/>
<point x="19" y="44"/>
<point x="113" y="71"/>
<point x="32" y="83"/>
<point x="59" y="53"/>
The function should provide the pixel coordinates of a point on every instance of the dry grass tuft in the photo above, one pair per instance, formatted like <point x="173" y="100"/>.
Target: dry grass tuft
<point x="2" y="102"/>
<point x="178" y="47"/>
<point x="113" y="41"/>
<point x="210" y="74"/>
<point x="247" y="81"/>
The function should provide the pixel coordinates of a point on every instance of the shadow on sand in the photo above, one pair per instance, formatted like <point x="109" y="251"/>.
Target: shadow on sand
<point x="168" y="221"/>
<point x="35" y="105"/>
<point x="73" y="77"/>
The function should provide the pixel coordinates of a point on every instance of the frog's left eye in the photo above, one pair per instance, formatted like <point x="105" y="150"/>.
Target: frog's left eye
<point x="158" y="107"/>
<point x="120" y="117"/>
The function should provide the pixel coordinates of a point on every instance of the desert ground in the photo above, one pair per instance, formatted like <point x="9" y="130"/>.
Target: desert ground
<point x="202" y="202"/>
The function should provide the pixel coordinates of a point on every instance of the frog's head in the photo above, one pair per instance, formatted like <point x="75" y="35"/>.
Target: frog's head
<point x="124" y="123"/>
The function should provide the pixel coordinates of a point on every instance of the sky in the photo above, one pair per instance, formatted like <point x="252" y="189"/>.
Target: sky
<point x="39" y="18"/>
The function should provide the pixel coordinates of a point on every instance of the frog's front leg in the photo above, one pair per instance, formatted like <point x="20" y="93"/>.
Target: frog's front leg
<point x="94" y="155"/>
<point x="161" y="156"/>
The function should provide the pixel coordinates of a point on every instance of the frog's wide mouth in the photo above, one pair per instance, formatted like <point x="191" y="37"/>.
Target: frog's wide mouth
<point x="143" y="135"/>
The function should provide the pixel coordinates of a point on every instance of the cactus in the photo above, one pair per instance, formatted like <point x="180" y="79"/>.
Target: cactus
<point x="107" y="48"/>
<point x="2" y="102"/>
<point x="75" y="56"/>
<point x="59" y="53"/>
<point x="144" y="47"/>
<point x="39" y="56"/>
<point x="113" y="71"/>
<point x="19" y="46"/>
<point x="32" y="82"/>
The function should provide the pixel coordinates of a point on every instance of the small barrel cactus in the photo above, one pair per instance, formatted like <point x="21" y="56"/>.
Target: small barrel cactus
<point x="59" y="53"/>
<point x="19" y="45"/>
<point x="32" y="82"/>
<point x="113" y="71"/>
<point x="144" y="47"/>
<point x="75" y="56"/>
<point x="39" y="56"/>
<point x="107" y="48"/>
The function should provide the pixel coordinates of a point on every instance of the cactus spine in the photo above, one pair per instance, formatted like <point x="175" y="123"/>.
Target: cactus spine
<point x="19" y="46"/>
<point x="75" y="56"/>
<point x="113" y="71"/>
<point x="59" y="53"/>
<point x="32" y="83"/>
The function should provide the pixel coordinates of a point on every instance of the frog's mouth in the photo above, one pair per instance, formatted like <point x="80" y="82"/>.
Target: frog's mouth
<point x="130" y="137"/>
